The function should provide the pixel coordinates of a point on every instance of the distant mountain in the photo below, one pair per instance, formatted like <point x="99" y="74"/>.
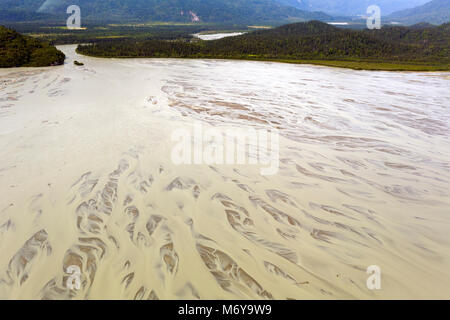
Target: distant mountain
<point x="215" y="11"/>
<point x="436" y="12"/>
<point x="17" y="50"/>
<point x="352" y="7"/>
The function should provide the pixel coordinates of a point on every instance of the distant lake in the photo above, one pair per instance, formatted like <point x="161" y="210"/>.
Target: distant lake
<point x="338" y="23"/>
<point x="217" y="36"/>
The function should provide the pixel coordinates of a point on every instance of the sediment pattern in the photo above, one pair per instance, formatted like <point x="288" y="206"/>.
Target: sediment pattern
<point x="87" y="181"/>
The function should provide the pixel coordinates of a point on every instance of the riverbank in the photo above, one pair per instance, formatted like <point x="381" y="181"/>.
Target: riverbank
<point x="354" y="65"/>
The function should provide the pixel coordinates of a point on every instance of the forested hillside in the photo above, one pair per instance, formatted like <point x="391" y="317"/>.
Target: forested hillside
<point x="215" y="11"/>
<point x="17" y="50"/>
<point x="426" y="41"/>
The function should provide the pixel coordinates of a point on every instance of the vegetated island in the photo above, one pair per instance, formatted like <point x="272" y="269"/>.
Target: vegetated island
<point x="17" y="50"/>
<point x="416" y="48"/>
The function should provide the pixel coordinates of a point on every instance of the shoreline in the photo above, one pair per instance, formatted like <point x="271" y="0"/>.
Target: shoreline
<point x="342" y="64"/>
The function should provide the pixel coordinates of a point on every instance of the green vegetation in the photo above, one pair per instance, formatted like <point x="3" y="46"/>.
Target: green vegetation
<point x="17" y="50"/>
<point x="399" y="48"/>
<point x="425" y="42"/>
<point x="57" y="34"/>
<point x="77" y="63"/>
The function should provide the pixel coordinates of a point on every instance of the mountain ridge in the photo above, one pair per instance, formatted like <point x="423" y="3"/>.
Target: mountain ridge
<point x="435" y="12"/>
<point x="207" y="11"/>
<point x="352" y="7"/>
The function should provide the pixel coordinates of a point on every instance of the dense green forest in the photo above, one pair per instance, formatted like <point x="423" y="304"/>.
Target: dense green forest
<point x="17" y="50"/>
<point x="311" y="41"/>
<point x="425" y="42"/>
